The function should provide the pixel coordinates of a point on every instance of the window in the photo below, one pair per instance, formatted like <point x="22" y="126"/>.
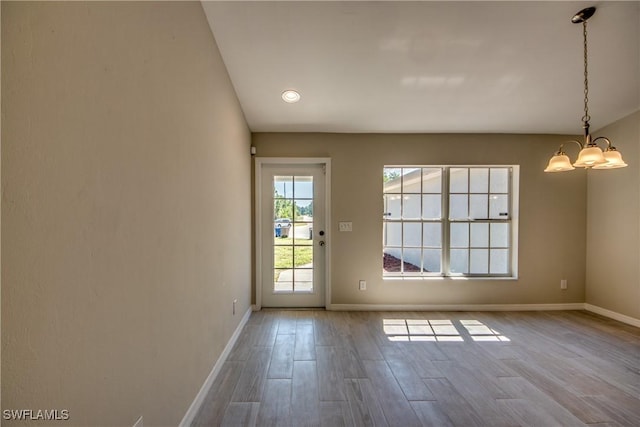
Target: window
<point x="449" y="221"/>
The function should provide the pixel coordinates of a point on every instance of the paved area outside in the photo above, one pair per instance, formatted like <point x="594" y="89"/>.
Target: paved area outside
<point x="303" y="277"/>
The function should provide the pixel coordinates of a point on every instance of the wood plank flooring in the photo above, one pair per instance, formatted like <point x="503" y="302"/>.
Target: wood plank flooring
<point x="319" y="368"/>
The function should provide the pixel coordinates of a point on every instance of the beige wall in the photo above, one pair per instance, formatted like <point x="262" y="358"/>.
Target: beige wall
<point x="613" y="227"/>
<point x="552" y="214"/>
<point x="125" y="212"/>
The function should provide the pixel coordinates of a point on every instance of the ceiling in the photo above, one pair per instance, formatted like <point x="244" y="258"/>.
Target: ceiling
<point x="428" y="67"/>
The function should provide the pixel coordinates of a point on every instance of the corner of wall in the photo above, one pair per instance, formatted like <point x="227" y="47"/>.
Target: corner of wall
<point x="612" y="259"/>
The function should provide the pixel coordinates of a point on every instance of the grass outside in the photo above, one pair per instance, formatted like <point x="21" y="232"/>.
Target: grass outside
<point x="284" y="254"/>
<point x="289" y="253"/>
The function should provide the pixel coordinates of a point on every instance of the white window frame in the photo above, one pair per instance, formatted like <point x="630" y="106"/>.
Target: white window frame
<point x="445" y="221"/>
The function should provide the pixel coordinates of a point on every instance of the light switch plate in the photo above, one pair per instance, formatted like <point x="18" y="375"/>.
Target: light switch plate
<point x="345" y="226"/>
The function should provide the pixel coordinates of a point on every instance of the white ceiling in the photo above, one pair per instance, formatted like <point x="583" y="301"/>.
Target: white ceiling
<point x="425" y="67"/>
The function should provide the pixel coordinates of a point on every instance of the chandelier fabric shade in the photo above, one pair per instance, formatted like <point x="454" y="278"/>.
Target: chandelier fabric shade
<point x="591" y="155"/>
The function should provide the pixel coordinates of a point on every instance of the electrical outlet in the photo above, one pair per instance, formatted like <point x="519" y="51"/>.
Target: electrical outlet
<point x="563" y="284"/>
<point x="235" y="301"/>
<point x="362" y="285"/>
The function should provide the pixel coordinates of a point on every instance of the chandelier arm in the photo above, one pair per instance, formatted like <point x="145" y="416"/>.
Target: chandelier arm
<point x="605" y="139"/>
<point x="561" y="151"/>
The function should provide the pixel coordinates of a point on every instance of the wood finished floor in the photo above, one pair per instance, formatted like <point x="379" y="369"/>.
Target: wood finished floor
<point x="319" y="368"/>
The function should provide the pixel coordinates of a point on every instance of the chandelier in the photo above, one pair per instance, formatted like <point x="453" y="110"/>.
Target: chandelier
<point x="590" y="156"/>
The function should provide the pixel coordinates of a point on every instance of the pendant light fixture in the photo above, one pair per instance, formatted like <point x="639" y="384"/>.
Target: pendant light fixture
<point x="590" y="156"/>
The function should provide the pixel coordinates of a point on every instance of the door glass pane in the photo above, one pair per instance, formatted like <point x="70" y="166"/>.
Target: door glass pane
<point x="303" y="187"/>
<point x="303" y="286"/>
<point x="303" y="256"/>
<point x="283" y="256"/>
<point x="283" y="280"/>
<point x="303" y="280"/>
<point x="282" y="211"/>
<point x="303" y="210"/>
<point x="282" y="232"/>
<point x="283" y="187"/>
<point x="303" y="234"/>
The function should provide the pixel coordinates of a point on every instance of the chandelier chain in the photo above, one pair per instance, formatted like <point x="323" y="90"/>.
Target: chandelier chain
<point x="586" y="117"/>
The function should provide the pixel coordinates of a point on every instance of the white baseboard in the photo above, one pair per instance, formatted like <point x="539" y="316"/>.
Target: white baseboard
<point x="613" y="315"/>
<point x="455" y="307"/>
<point x="189" y="417"/>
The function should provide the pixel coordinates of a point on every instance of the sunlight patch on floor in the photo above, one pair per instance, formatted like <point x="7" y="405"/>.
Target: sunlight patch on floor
<point x="438" y="330"/>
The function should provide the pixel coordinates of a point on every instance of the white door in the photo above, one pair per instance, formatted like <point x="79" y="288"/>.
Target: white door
<point x="293" y="235"/>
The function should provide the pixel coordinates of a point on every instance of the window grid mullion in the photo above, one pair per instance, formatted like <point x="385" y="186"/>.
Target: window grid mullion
<point x="468" y="223"/>
<point x="444" y="255"/>
<point x="510" y="229"/>
<point x="421" y="223"/>
<point x="488" y="215"/>
<point x="401" y="221"/>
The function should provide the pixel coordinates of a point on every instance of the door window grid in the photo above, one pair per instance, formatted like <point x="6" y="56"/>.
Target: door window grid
<point x="292" y="238"/>
<point x="477" y="232"/>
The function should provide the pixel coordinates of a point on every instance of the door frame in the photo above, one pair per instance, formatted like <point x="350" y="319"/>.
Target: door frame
<point x="302" y="161"/>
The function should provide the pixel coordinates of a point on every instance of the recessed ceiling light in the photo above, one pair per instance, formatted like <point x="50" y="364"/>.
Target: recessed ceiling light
<point x="290" y="96"/>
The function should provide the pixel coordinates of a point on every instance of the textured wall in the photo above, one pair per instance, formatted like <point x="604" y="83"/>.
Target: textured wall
<point x="613" y="226"/>
<point x="125" y="211"/>
<point x="552" y="215"/>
